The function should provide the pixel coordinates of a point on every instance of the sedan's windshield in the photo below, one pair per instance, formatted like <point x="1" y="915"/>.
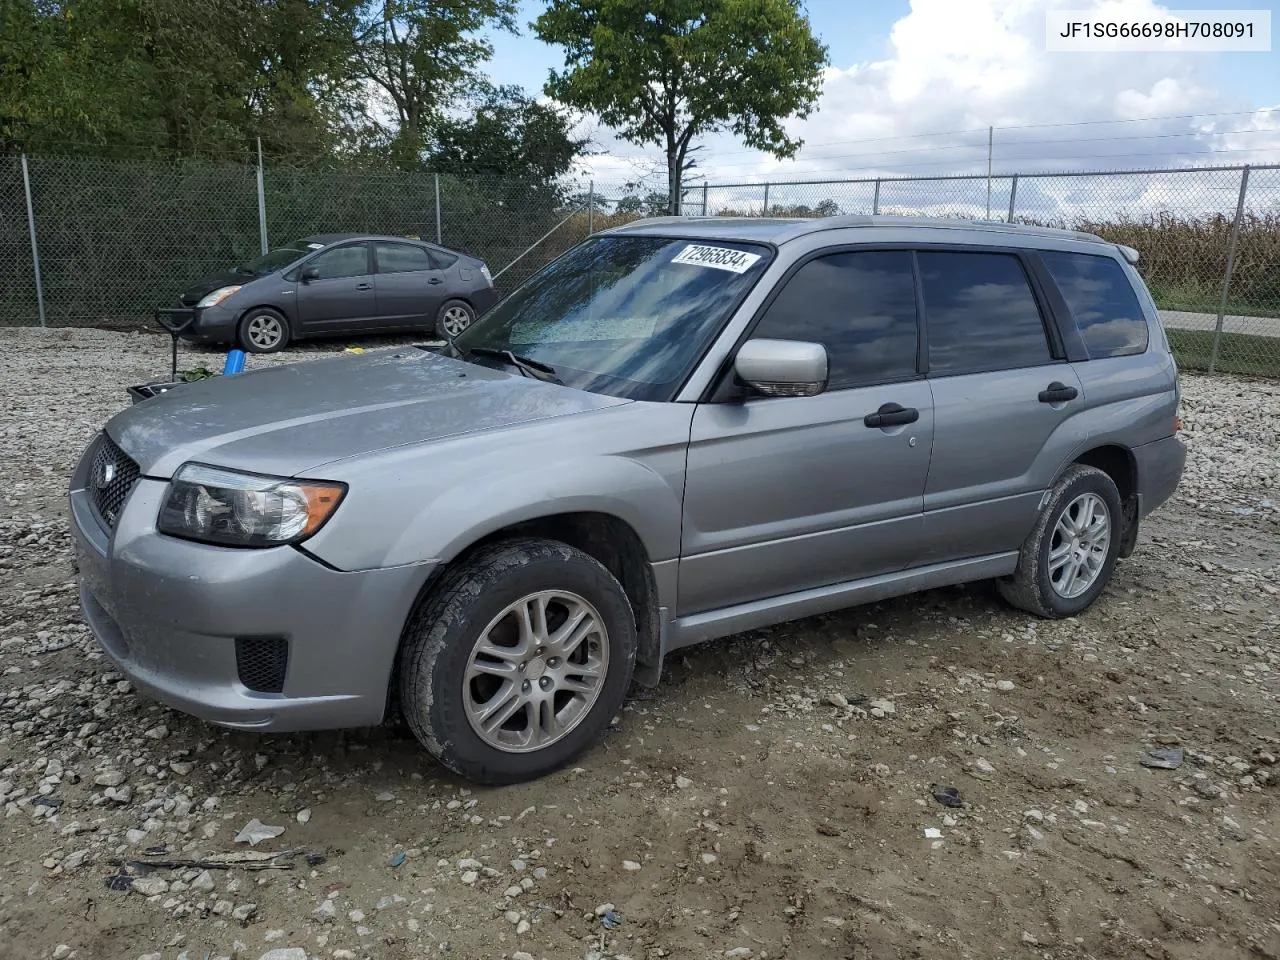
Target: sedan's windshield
<point x="624" y="316"/>
<point x="277" y="259"/>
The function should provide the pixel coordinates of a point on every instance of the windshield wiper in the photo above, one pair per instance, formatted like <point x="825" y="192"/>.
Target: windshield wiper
<point x="526" y="365"/>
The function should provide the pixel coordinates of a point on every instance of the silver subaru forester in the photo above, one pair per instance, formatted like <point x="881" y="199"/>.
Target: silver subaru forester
<point x="678" y="430"/>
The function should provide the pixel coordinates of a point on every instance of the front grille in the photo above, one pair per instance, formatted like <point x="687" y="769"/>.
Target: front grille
<point x="112" y="476"/>
<point x="261" y="663"/>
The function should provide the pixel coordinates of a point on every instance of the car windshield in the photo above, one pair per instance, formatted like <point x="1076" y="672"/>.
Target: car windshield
<point x="277" y="259"/>
<point x="623" y="316"/>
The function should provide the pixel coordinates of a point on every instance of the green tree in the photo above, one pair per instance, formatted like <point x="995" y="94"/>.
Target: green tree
<point x="665" y="72"/>
<point x="424" y="55"/>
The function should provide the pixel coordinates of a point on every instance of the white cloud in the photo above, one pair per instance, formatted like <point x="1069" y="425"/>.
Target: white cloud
<point x="964" y="65"/>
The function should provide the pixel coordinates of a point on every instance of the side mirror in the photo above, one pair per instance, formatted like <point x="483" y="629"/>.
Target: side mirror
<point x="308" y="274"/>
<point x="783" y="368"/>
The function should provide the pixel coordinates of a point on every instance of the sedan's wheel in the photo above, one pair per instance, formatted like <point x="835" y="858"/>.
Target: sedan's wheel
<point x="454" y="317"/>
<point x="1071" y="553"/>
<point x="263" y="331"/>
<point x="517" y="660"/>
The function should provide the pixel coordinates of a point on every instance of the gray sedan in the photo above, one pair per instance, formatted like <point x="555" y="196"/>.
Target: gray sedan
<point x="336" y="285"/>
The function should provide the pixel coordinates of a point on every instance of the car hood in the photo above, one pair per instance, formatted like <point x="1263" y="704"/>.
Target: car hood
<point x="291" y="419"/>
<point x="227" y="278"/>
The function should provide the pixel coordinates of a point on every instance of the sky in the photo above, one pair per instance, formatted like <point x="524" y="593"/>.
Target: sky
<point x="913" y="86"/>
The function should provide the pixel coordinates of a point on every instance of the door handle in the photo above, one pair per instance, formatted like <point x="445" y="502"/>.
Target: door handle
<point x="891" y="415"/>
<point x="363" y="286"/>
<point x="1058" y="393"/>
<point x="435" y="280"/>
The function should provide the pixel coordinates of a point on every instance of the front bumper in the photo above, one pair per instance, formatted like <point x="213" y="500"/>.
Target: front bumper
<point x="1160" y="465"/>
<point x="167" y="612"/>
<point x="200" y="324"/>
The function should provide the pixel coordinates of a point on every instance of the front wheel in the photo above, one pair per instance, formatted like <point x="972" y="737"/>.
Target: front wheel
<point x="1070" y="555"/>
<point x="263" y="330"/>
<point x="517" y="661"/>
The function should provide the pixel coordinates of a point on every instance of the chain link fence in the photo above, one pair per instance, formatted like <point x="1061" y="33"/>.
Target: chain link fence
<point x="1209" y="237"/>
<point x="115" y="239"/>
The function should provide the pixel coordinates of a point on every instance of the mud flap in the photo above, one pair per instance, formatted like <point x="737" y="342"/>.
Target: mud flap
<point x="648" y="669"/>
<point x="1129" y="538"/>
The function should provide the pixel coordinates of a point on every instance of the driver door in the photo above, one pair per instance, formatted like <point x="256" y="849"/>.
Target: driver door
<point x="784" y="494"/>
<point x="342" y="296"/>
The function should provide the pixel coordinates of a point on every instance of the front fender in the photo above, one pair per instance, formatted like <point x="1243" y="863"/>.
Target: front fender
<point x="429" y="502"/>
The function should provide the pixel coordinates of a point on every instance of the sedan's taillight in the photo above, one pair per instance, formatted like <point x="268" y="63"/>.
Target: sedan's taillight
<point x="484" y="272"/>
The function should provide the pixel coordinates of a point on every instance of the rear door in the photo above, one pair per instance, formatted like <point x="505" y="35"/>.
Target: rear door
<point x="341" y="298"/>
<point x="789" y="493"/>
<point x="1001" y="387"/>
<point x="409" y="286"/>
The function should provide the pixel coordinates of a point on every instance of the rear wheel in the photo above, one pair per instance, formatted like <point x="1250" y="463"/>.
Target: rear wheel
<point x="453" y="317"/>
<point x="517" y="661"/>
<point x="263" y="330"/>
<point x="1071" y="553"/>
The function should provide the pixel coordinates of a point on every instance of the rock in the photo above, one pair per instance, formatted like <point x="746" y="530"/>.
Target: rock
<point x="386" y="903"/>
<point x="1029" y="939"/>
<point x="303" y="815"/>
<point x="356" y="916"/>
<point x="61" y="952"/>
<point x="630" y="865"/>
<point x="385" y="797"/>
<point x="838" y="700"/>
<point x="982" y="765"/>
<point x="1035" y="816"/>
<point x="1004" y="685"/>
<point x="684" y="783"/>
<point x="150" y="886"/>
<point x="882" y="708"/>
<point x="708" y="858"/>
<point x="513" y="891"/>
<point x="522" y="955"/>
<point x="158" y="732"/>
<point x="1080" y="806"/>
<point x="109" y="778"/>
<point x="604" y="908"/>
<point x="738" y="952"/>
<point x="468" y="863"/>
<point x="181" y="767"/>
<point x="522" y="928"/>
<point x="285" y="953"/>
<point x="203" y="882"/>
<point x="135" y="837"/>
<point x="470" y="877"/>
<point x="244" y="912"/>
<point x="512" y="916"/>
<point x="151" y="956"/>
<point x="327" y="912"/>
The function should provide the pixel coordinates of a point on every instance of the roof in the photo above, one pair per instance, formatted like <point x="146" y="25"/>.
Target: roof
<point x="328" y="238"/>
<point x="782" y="229"/>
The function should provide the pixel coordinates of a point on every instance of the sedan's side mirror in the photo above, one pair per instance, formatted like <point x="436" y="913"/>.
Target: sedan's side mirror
<point x="308" y="274"/>
<point x="782" y="368"/>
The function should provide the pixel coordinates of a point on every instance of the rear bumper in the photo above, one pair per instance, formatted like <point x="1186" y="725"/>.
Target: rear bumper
<point x="168" y="612"/>
<point x="1160" y="465"/>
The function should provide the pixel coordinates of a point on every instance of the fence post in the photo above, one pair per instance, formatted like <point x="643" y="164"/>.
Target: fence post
<point x="262" y="203"/>
<point x="875" y="200"/>
<point x="438" y="240"/>
<point x="1231" y="265"/>
<point x="591" y="208"/>
<point x="704" y="198"/>
<point x="990" y="140"/>
<point x="765" y="211"/>
<point x="31" y="229"/>
<point x="1013" y="196"/>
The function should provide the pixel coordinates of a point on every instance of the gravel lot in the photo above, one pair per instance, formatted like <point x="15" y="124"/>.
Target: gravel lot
<point x="774" y="798"/>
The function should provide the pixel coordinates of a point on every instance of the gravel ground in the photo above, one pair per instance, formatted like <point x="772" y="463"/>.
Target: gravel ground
<point x="775" y="797"/>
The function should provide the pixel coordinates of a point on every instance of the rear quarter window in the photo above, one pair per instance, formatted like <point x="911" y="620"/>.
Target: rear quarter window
<point x="1102" y="301"/>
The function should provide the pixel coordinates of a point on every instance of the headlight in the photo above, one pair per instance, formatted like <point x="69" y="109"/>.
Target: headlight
<point x="245" y="509"/>
<point x="215" y="298"/>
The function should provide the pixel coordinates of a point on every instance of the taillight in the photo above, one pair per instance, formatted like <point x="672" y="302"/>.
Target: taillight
<point x="1177" y="424"/>
<point x="484" y="272"/>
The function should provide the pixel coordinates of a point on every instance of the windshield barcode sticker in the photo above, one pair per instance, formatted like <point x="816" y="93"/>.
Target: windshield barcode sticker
<point x="720" y="258"/>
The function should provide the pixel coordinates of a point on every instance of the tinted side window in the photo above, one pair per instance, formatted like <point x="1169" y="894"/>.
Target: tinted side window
<point x="860" y="306"/>
<point x="980" y="313"/>
<point x="441" y="260"/>
<point x="400" y="257"/>
<point x="348" y="261"/>
<point x="1102" y="301"/>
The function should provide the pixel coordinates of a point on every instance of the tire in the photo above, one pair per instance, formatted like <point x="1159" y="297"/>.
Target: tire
<point x="453" y="317"/>
<point x="443" y="697"/>
<point x="254" y="327"/>
<point x="1044" y="586"/>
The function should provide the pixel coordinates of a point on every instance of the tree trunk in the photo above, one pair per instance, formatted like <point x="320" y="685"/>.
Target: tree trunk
<point x="673" y="178"/>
